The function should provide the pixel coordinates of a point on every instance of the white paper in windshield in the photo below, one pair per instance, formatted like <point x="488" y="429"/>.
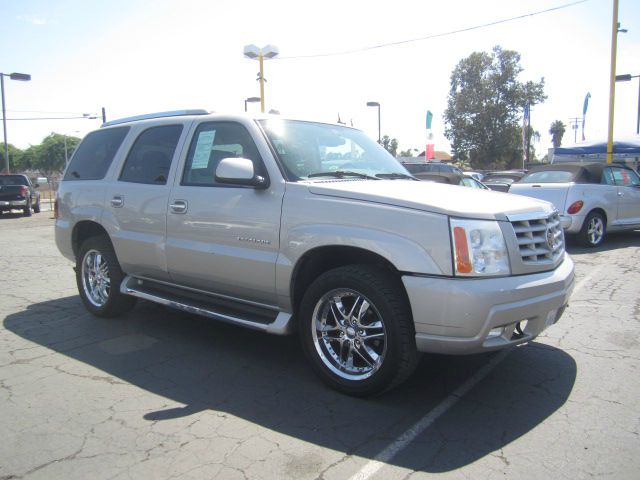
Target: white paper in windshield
<point x="203" y="149"/>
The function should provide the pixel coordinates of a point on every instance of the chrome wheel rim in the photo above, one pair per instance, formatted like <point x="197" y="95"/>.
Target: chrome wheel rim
<point x="595" y="230"/>
<point x="95" y="278"/>
<point x="349" y="334"/>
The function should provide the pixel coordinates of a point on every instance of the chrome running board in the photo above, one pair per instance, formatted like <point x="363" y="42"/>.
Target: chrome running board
<point x="256" y="318"/>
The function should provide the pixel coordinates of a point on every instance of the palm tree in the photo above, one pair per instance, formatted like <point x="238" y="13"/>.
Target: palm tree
<point x="557" y="131"/>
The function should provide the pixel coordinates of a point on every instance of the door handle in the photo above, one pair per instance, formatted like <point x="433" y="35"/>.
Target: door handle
<point x="178" y="206"/>
<point x="117" y="201"/>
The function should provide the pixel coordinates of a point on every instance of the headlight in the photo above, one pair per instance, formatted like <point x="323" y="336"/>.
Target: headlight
<point x="479" y="248"/>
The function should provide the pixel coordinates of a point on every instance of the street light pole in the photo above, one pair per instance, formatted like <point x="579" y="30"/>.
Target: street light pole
<point x="376" y="104"/>
<point x="23" y="77"/>
<point x="268" y="52"/>
<point x="4" y="127"/>
<point x="612" y="80"/>
<point x="627" y="78"/>
<point x="250" y="100"/>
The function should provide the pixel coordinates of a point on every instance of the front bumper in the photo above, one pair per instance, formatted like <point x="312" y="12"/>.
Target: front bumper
<point x="463" y="316"/>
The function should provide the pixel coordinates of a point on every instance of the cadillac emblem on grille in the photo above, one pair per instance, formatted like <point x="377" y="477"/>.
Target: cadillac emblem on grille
<point x="551" y="239"/>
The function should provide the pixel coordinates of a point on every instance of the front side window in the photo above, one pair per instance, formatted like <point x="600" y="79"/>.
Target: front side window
<point x="212" y="142"/>
<point x="150" y="157"/>
<point x="625" y="177"/>
<point x="307" y="150"/>
<point x="95" y="153"/>
<point x="607" y="177"/>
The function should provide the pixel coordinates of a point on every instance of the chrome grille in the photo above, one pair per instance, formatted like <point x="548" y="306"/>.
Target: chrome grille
<point x="540" y="240"/>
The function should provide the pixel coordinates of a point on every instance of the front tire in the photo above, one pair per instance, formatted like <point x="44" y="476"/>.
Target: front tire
<point x="98" y="276"/>
<point x="593" y="230"/>
<point x="357" y="330"/>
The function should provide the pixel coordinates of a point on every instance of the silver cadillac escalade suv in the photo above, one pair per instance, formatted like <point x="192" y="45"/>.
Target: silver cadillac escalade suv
<point x="285" y="225"/>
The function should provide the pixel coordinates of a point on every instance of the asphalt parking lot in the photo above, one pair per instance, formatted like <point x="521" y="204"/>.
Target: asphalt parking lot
<point x="162" y="394"/>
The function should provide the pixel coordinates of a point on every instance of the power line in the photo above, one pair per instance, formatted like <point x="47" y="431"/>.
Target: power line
<point x="49" y="113"/>
<point x="55" y="118"/>
<point x="437" y="35"/>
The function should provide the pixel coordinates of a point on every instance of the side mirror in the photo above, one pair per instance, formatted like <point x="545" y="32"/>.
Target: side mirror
<point x="239" y="171"/>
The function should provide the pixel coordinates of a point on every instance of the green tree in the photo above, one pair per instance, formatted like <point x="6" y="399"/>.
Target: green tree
<point x="408" y="152"/>
<point x="15" y="157"/>
<point x="28" y="158"/>
<point x="485" y="107"/>
<point x="390" y="145"/>
<point x="535" y="136"/>
<point x="556" y="131"/>
<point x="49" y="156"/>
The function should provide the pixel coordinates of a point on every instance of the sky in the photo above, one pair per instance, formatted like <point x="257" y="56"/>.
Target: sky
<point x="140" y="56"/>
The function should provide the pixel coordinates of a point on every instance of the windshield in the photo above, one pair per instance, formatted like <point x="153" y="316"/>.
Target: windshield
<point x="314" y="150"/>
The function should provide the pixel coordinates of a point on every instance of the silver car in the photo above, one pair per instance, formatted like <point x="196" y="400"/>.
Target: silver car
<point x="283" y="226"/>
<point x="592" y="198"/>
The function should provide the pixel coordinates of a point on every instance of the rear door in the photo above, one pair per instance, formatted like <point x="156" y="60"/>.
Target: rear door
<point x="223" y="238"/>
<point x="136" y="201"/>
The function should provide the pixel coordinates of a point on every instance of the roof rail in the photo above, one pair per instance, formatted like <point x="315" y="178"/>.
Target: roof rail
<point x="147" y="116"/>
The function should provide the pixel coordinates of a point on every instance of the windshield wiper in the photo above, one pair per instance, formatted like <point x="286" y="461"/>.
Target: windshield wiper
<point x="341" y="174"/>
<point x="396" y="175"/>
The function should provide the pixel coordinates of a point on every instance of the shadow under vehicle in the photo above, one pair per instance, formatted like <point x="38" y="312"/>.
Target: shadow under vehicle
<point x="264" y="380"/>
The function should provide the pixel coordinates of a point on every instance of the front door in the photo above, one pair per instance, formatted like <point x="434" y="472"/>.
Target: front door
<point x="628" y="185"/>
<point x="220" y="238"/>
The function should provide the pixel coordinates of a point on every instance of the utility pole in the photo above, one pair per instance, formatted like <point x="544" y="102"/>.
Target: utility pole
<point x="575" y="121"/>
<point x="615" y="28"/>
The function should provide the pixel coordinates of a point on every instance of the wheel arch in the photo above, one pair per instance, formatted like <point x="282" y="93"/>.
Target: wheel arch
<point x="319" y="260"/>
<point x="602" y="212"/>
<point x="83" y="230"/>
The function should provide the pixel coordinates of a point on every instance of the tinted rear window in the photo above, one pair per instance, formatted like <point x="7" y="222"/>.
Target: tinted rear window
<point x="13" y="180"/>
<point x="93" y="157"/>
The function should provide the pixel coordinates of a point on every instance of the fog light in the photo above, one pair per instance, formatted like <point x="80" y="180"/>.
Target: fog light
<point x="495" y="332"/>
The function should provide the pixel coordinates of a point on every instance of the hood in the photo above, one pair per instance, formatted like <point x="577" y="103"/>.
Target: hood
<point x="432" y="197"/>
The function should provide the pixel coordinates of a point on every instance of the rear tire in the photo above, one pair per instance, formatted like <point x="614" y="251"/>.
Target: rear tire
<point x="27" y="209"/>
<point x="36" y="207"/>
<point x="356" y="329"/>
<point x="593" y="230"/>
<point x="98" y="276"/>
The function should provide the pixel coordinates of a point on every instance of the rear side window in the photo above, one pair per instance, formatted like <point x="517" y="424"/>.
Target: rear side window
<point x="93" y="157"/>
<point x="150" y="157"/>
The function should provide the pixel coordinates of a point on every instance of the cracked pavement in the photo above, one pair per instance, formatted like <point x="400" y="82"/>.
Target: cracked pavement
<point x="162" y="394"/>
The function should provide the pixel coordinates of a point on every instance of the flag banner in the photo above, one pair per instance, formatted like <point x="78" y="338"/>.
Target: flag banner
<point x="584" y="112"/>
<point x="429" y="119"/>
<point x="430" y="152"/>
